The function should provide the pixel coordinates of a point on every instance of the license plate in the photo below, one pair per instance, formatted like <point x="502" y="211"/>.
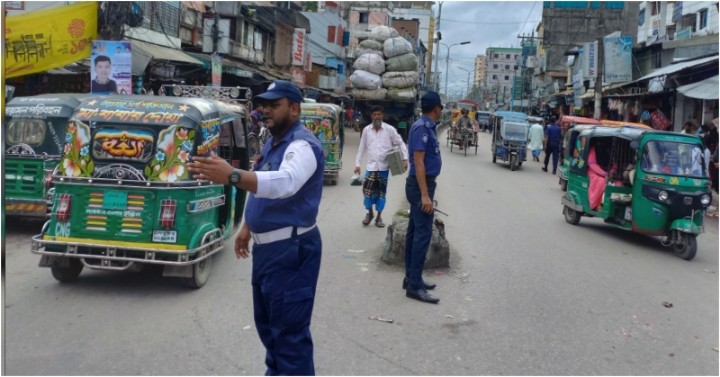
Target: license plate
<point x="168" y="236"/>
<point x="115" y="200"/>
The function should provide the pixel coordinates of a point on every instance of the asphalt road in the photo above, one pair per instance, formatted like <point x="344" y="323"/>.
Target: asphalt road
<point x="526" y="293"/>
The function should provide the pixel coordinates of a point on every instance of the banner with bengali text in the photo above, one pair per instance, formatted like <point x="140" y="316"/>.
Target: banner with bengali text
<point x="46" y="39"/>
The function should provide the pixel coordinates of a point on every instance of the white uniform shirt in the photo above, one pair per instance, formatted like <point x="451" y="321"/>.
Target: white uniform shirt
<point x="297" y="167"/>
<point x="377" y="144"/>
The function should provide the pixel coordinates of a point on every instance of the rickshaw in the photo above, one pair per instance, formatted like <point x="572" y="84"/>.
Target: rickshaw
<point x="509" y="140"/>
<point x="34" y="136"/>
<point x="463" y="138"/>
<point x="124" y="198"/>
<point x="650" y="182"/>
<point x="323" y="119"/>
<point x="470" y="106"/>
<point x="572" y="126"/>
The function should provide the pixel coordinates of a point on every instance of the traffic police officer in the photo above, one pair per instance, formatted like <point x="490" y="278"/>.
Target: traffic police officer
<point x="285" y="188"/>
<point x="425" y="164"/>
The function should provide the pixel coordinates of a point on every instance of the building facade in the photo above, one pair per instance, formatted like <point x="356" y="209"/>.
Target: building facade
<point x="502" y="67"/>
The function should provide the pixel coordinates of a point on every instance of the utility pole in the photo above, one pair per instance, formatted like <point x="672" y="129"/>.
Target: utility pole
<point x="600" y="70"/>
<point x="436" y="79"/>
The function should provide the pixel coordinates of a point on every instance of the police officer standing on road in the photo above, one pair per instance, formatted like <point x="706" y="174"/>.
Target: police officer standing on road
<point x="285" y="189"/>
<point x="425" y="164"/>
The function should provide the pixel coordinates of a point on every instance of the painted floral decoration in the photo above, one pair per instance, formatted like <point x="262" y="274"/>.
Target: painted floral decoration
<point x="76" y="160"/>
<point x="172" y="156"/>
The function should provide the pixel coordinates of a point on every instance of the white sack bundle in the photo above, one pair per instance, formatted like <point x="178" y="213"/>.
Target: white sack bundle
<point x="372" y="63"/>
<point x="371" y="44"/>
<point x="369" y="94"/>
<point x="365" y="80"/>
<point x="381" y="33"/>
<point x="399" y="79"/>
<point x="362" y="51"/>
<point x="393" y="47"/>
<point x="407" y="62"/>
<point x="400" y="94"/>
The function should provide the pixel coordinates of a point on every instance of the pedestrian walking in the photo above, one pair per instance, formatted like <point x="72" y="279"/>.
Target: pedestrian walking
<point x="285" y="189"/>
<point x="420" y="187"/>
<point x="553" y="136"/>
<point x="377" y="140"/>
<point x="535" y="140"/>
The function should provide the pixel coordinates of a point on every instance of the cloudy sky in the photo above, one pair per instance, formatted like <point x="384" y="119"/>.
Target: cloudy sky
<point x="485" y="24"/>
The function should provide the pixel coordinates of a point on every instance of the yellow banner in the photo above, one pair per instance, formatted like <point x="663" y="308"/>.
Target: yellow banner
<point x="47" y="39"/>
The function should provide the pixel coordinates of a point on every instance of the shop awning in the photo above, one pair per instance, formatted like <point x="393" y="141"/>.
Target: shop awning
<point x="705" y="89"/>
<point x="678" y="67"/>
<point x="232" y="67"/>
<point x="142" y="52"/>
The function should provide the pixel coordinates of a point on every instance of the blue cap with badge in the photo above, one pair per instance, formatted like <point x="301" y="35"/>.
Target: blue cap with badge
<point x="430" y="99"/>
<point x="281" y="89"/>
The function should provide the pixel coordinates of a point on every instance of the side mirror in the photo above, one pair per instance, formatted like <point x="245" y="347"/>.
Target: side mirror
<point x="634" y="145"/>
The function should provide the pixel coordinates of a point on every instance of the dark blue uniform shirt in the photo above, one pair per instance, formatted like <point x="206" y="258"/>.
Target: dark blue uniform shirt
<point x="554" y="135"/>
<point x="300" y="210"/>
<point x="423" y="138"/>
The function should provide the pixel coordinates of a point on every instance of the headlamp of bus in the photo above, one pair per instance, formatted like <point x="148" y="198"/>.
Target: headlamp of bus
<point x="705" y="199"/>
<point x="663" y="195"/>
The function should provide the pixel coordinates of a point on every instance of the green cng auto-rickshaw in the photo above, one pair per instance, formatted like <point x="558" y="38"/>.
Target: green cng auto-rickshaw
<point x="34" y="132"/>
<point x="649" y="182"/>
<point x="323" y="119"/>
<point x="123" y="194"/>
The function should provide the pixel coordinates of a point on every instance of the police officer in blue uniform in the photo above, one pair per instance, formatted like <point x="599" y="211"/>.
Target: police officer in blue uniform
<point x="425" y="164"/>
<point x="285" y="188"/>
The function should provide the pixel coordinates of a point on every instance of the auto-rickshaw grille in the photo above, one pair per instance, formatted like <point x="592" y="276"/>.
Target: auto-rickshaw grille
<point x="130" y="220"/>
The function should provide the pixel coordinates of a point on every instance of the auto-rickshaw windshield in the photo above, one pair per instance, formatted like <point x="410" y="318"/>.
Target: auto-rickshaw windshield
<point x="514" y="131"/>
<point x="673" y="158"/>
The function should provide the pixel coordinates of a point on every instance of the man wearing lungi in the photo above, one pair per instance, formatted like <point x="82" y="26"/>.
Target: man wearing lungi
<point x="377" y="140"/>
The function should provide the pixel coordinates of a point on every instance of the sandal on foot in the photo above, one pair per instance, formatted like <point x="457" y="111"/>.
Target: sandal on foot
<point x="379" y="223"/>
<point x="368" y="219"/>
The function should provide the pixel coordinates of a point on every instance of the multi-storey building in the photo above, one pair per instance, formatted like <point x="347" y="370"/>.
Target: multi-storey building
<point x="480" y="71"/>
<point x="502" y="67"/>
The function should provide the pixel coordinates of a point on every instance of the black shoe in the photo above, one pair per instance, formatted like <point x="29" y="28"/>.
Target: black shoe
<point x="554" y="172"/>
<point x="427" y="286"/>
<point x="544" y="169"/>
<point x="421" y="295"/>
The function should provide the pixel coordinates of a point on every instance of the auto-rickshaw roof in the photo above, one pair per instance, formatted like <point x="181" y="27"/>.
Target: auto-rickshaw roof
<point x="49" y="105"/>
<point x="578" y="120"/>
<point x="154" y="110"/>
<point x="628" y="133"/>
<point x="510" y="114"/>
<point x="329" y="107"/>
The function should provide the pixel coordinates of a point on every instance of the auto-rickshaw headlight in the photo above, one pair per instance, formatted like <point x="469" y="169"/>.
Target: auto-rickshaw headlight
<point x="705" y="199"/>
<point x="663" y="195"/>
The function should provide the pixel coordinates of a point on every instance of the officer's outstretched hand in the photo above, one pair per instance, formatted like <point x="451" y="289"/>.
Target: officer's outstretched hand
<point x="242" y="242"/>
<point x="212" y="168"/>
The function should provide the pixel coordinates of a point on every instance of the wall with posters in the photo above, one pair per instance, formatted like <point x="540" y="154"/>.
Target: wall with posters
<point x="111" y="67"/>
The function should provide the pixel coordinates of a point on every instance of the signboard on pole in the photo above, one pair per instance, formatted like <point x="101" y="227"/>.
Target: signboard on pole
<point x="216" y="69"/>
<point x="308" y="62"/>
<point x="590" y="60"/>
<point x="578" y="87"/>
<point x="111" y="67"/>
<point x="618" y="59"/>
<point x="298" y="47"/>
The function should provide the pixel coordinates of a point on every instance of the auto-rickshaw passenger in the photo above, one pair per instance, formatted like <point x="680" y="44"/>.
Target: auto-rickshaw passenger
<point x="597" y="176"/>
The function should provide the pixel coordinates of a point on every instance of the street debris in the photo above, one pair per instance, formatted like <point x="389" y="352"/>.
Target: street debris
<point x="671" y="354"/>
<point x="355" y="251"/>
<point x="376" y="317"/>
<point x="449" y="316"/>
<point x="667" y="304"/>
<point x="709" y="272"/>
<point x="348" y="256"/>
<point x="439" y="272"/>
<point x="465" y="277"/>
<point x="248" y="327"/>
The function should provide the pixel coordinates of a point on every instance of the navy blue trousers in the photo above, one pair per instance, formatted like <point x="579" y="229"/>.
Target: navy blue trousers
<point x="284" y="278"/>
<point x="553" y="150"/>
<point x="419" y="232"/>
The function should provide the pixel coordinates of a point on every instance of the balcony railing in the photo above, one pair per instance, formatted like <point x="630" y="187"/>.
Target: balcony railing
<point x="246" y="53"/>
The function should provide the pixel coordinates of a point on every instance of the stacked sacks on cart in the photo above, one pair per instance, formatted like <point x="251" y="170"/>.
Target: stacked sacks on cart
<point x="396" y="78"/>
<point x="401" y="69"/>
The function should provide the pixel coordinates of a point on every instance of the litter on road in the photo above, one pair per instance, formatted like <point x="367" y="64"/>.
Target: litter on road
<point x="376" y="317"/>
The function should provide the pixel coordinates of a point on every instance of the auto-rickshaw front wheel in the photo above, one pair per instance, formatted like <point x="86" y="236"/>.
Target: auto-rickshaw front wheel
<point x="67" y="273"/>
<point x="571" y="216"/>
<point x="685" y="246"/>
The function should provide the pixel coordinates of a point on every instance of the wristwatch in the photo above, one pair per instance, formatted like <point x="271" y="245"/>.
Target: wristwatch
<point x="234" y="177"/>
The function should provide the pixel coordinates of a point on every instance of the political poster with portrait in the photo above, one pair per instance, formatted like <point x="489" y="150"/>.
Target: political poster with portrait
<point x="111" y="67"/>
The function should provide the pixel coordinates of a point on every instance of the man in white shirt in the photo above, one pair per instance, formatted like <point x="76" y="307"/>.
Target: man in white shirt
<point x="377" y="140"/>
